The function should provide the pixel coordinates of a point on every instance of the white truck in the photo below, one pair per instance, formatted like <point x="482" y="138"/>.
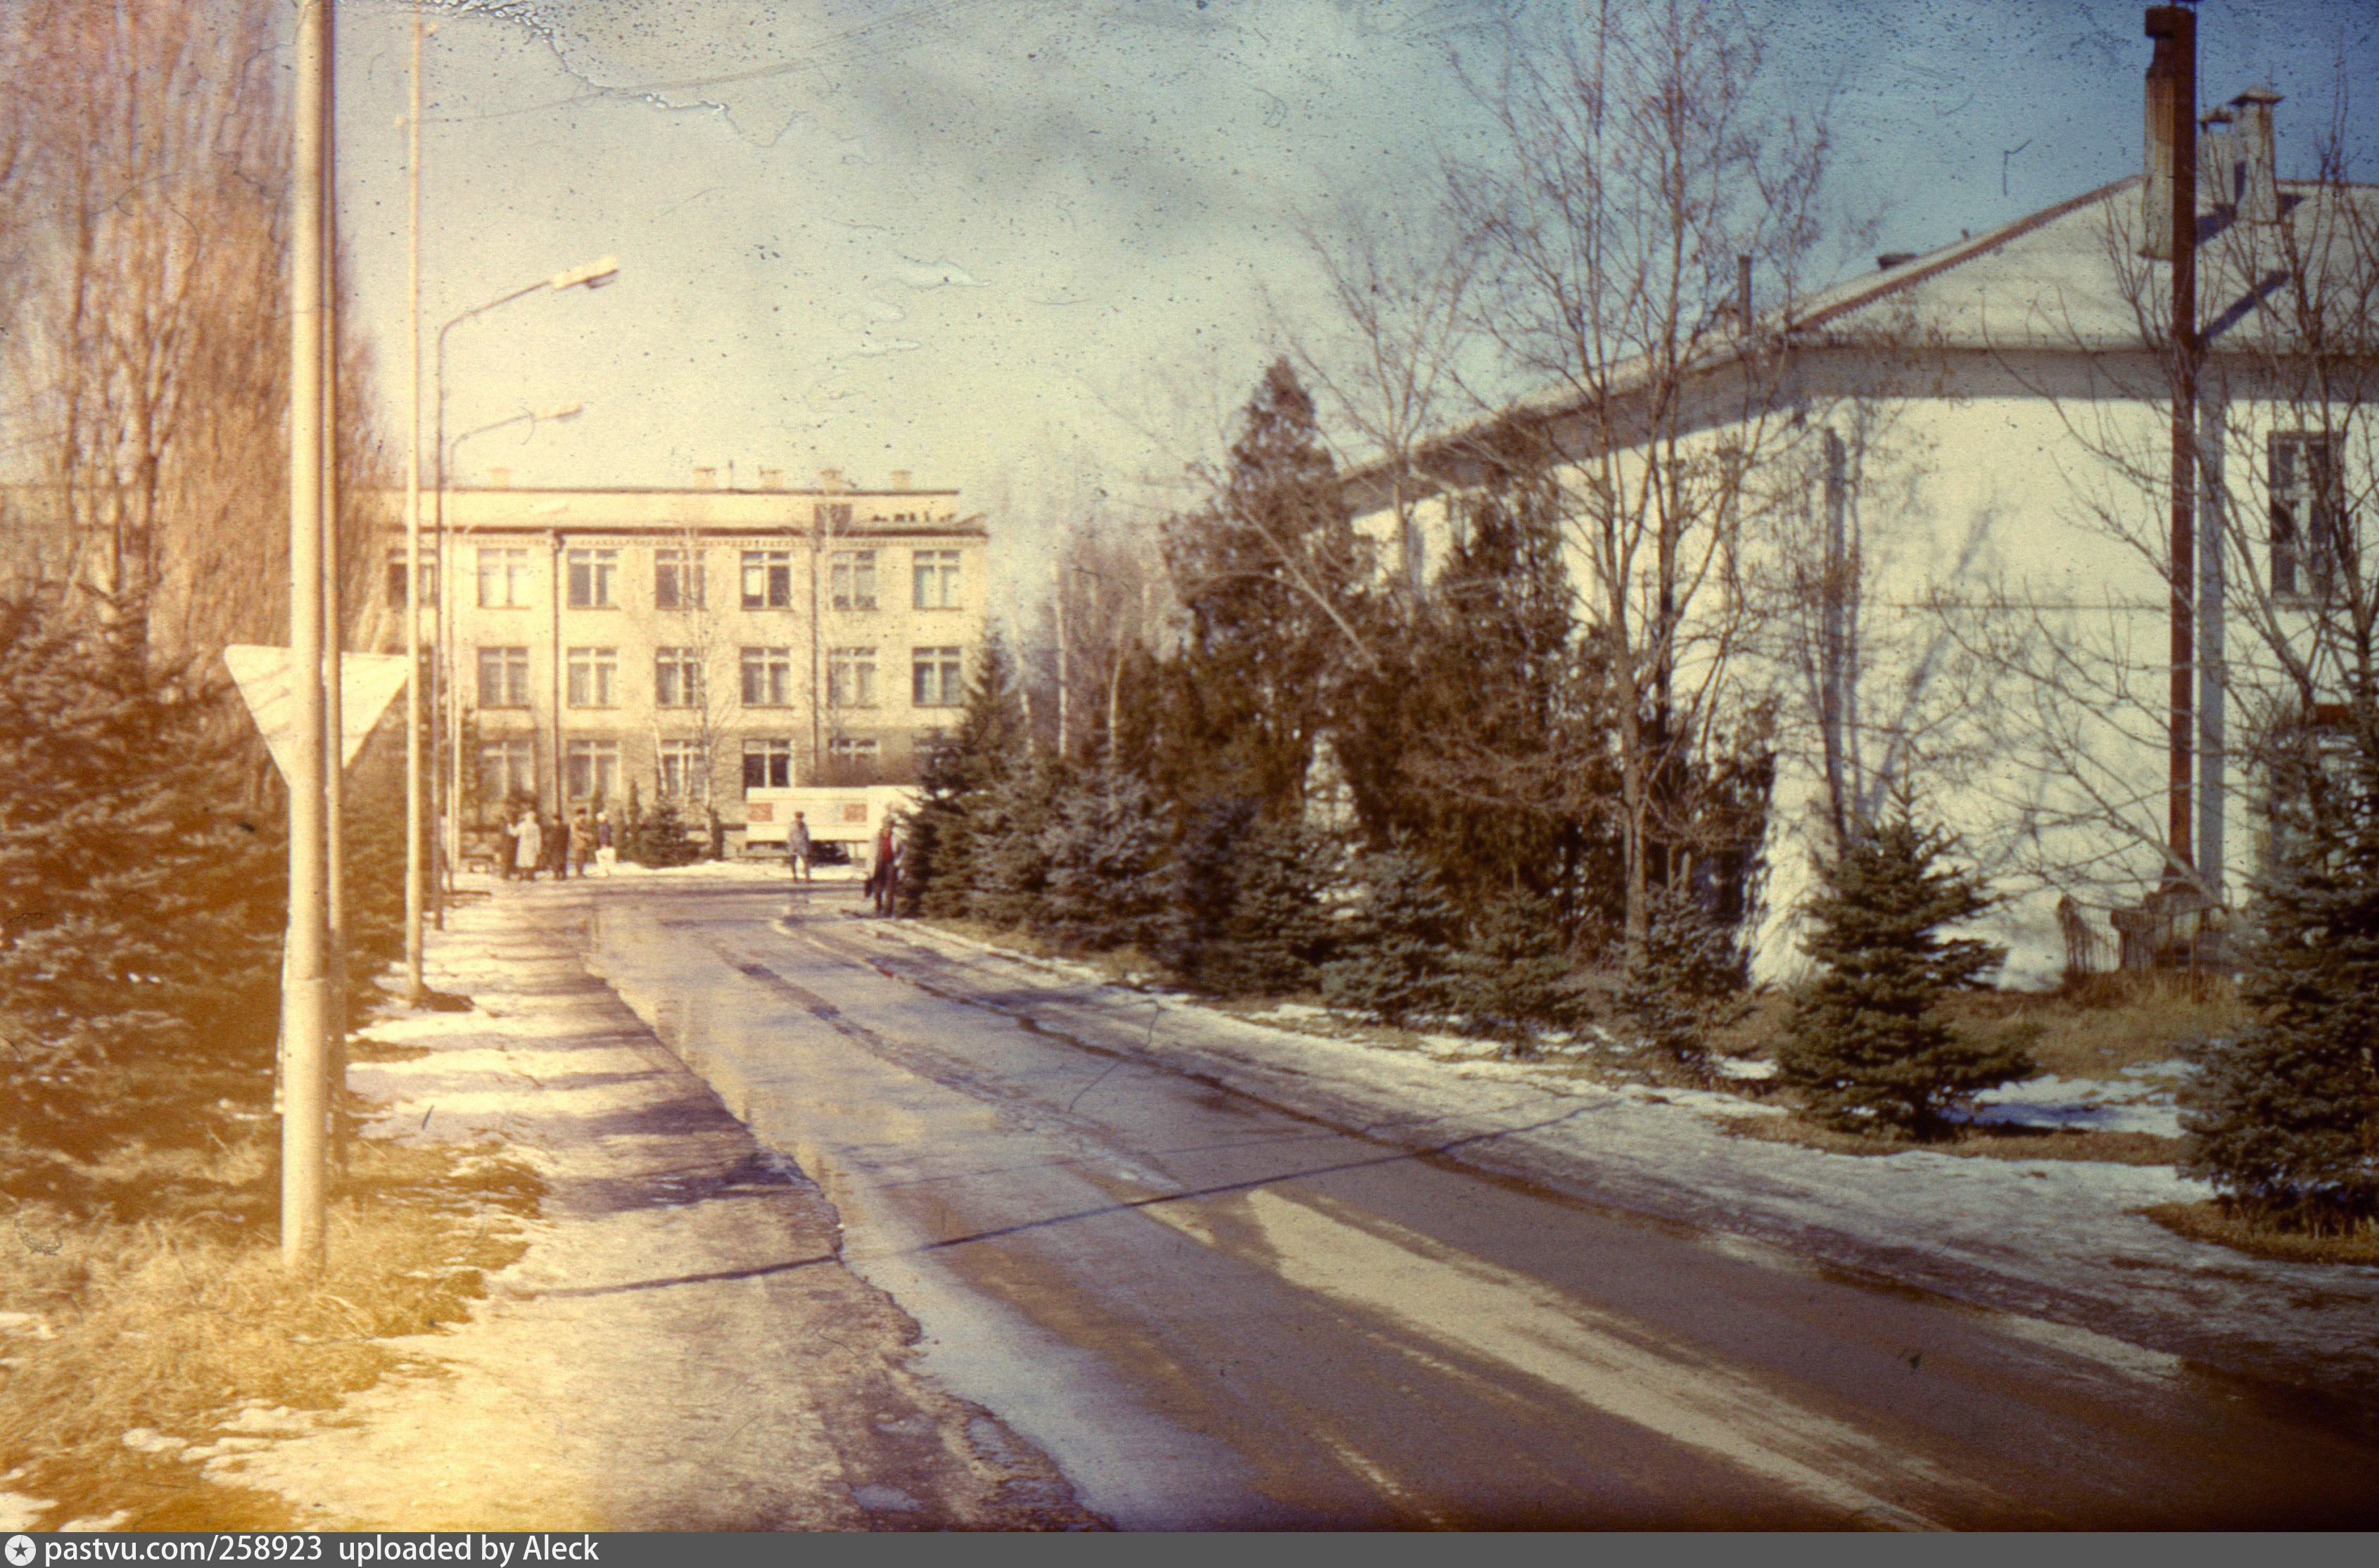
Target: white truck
<point x="848" y="815"/>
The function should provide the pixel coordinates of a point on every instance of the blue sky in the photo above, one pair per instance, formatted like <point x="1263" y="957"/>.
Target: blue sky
<point x="1018" y="246"/>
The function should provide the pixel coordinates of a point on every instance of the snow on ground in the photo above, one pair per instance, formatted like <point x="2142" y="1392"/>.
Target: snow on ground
<point x="2060" y="1239"/>
<point x="2138" y="1102"/>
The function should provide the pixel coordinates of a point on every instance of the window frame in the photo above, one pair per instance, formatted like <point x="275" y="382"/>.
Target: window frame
<point x="775" y="667"/>
<point x="851" y="677"/>
<point x="776" y="569"/>
<point x="769" y="750"/>
<point x="851" y="579"/>
<point x="944" y="569"/>
<point x="592" y="669"/>
<point x="590" y="577"/>
<point x="510" y="664"/>
<point x="513" y="559"/>
<point x="942" y="666"/>
<point x="681" y="566"/>
<point x="2309" y="532"/>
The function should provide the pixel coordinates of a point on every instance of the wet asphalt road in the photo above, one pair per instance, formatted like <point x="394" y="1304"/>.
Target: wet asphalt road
<point x="1213" y="1312"/>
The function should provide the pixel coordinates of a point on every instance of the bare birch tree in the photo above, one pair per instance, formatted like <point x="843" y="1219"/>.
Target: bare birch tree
<point x="1641" y="163"/>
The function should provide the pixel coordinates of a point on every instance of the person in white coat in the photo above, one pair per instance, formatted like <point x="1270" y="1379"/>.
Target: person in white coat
<point x="529" y="846"/>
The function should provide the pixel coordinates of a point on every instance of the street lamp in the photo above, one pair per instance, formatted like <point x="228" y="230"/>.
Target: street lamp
<point x="593" y="275"/>
<point x="453" y="775"/>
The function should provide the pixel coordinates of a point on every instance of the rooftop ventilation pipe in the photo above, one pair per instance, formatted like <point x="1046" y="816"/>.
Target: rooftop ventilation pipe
<point x="2259" y="190"/>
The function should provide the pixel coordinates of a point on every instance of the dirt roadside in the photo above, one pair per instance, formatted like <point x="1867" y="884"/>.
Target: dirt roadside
<point x="680" y="1347"/>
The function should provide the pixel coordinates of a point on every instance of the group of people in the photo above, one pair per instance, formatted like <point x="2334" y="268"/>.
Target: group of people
<point x="883" y="873"/>
<point x="530" y="846"/>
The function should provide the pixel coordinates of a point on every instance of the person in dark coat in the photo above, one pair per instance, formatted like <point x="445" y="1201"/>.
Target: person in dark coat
<point x="883" y="880"/>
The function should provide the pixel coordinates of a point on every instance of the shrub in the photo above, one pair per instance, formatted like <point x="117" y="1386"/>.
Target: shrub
<point x="1105" y="850"/>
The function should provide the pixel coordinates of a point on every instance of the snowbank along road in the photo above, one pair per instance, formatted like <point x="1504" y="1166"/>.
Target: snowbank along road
<point x="1221" y="1304"/>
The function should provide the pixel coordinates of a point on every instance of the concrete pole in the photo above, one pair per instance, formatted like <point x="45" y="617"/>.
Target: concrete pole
<point x="414" y="849"/>
<point x="304" y="1001"/>
<point x="334" y="629"/>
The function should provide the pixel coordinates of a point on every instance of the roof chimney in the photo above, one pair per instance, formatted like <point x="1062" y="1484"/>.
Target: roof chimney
<point x="772" y="478"/>
<point x="900" y="480"/>
<point x="831" y="479"/>
<point x="2259" y="188"/>
<point x="2168" y="194"/>
<point x="706" y="479"/>
<point x="500" y="478"/>
<point x="2217" y="164"/>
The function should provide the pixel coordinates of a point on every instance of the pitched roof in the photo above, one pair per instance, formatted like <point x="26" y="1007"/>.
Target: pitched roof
<point x="2070" y="277"/>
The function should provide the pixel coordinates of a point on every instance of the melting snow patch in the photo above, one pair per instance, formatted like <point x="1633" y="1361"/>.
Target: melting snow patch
<point x="2094" y="1103"/>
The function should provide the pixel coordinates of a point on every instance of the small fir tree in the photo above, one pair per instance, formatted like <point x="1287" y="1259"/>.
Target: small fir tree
<point x="1514" y="979"/>
<point x="1104" y="851"/>
<point x="1867" y="1046"/>
<point x="1684" y="983"/>
<point x="141" y="904"/>
<point x="1398" y="964"/>
<point x="1247" y="916"/>
<point x="938" y="866"/>
<point x="2284" y="1120"/>
<point x="1008" y="862"/>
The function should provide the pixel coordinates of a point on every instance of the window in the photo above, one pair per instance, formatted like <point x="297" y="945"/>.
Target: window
<point x="594" y="675"/>
<point x="396" y="578"/>
<point x="2308" y="517"/>
<point x="678" y="579"/>
<point x="507" y="768"/>
<point x="767" y="764"/>
<point x="851" y="759"/>
<point x="590" y="770"/>
<point x="677" y="678"/>
<point x="852" y="579"/>
<point x="934" y="678"/>
<point x="503" y="578"/>
<point x="592" y="574"/>
<point x="767" y="579"/>
<point x="685" y="772"/>
<point x="851" y="678"/>
<point x="503" y="678"/>
<point x="935" y="574"/>
<point x="767" y="677"/>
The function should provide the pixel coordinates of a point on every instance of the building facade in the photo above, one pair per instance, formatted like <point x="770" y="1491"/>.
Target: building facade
<point x="1937" y="547"/>
<point x="695" y="643"/>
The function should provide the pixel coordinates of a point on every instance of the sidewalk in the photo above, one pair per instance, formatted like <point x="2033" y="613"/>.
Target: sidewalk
<point x="680" y="1347"/>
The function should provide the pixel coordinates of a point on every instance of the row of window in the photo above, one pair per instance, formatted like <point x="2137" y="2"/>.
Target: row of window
<point x="590" y="769"/>
<point x="765" y="579"/>
<point x="591" y="677"/>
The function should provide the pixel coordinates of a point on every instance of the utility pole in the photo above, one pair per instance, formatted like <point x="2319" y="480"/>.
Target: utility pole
<point x="305" y="985"/>
<point x="334" y="728"/>
<point x="2172" y="142"/>
<point x="414" y="849"/>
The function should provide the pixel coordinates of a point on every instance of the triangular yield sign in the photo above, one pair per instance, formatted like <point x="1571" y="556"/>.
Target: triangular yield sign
<point x="366" y="682"/>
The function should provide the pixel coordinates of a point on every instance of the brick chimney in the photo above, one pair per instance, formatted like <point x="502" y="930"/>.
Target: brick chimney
<point x="2259" y="188"/>
<point x="772" y="478"/>
<point x="899" y="479"/>
<point x="706" y="479"/>
<point x="830" y="481"/>
<point x="500" y="478"/>
<point x="2217" y="164"/>
<point x="2167" y="198"/>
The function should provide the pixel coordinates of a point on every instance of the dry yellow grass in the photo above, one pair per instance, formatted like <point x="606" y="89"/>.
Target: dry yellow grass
<point x="171" y="1322"/>
<point x="2209" y="1222"/>
<point x="1984" y="1142"/>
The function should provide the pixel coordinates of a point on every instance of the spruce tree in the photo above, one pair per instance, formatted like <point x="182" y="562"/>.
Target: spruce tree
<point x="938" y="869"/>
<point x="1514" y="978"/>
<point x="140" y="902"/>
<point x="1105" y="856"/>
<point x="1867" y="1046"/>
<point x="1397" y="959"/>
<point x="1247" y="916"/>
<point x="2284" y="1120"/>
<point x="1271" y="577"/>
<point x="1007" y="862"/>
<point x="1685" y="981"/>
